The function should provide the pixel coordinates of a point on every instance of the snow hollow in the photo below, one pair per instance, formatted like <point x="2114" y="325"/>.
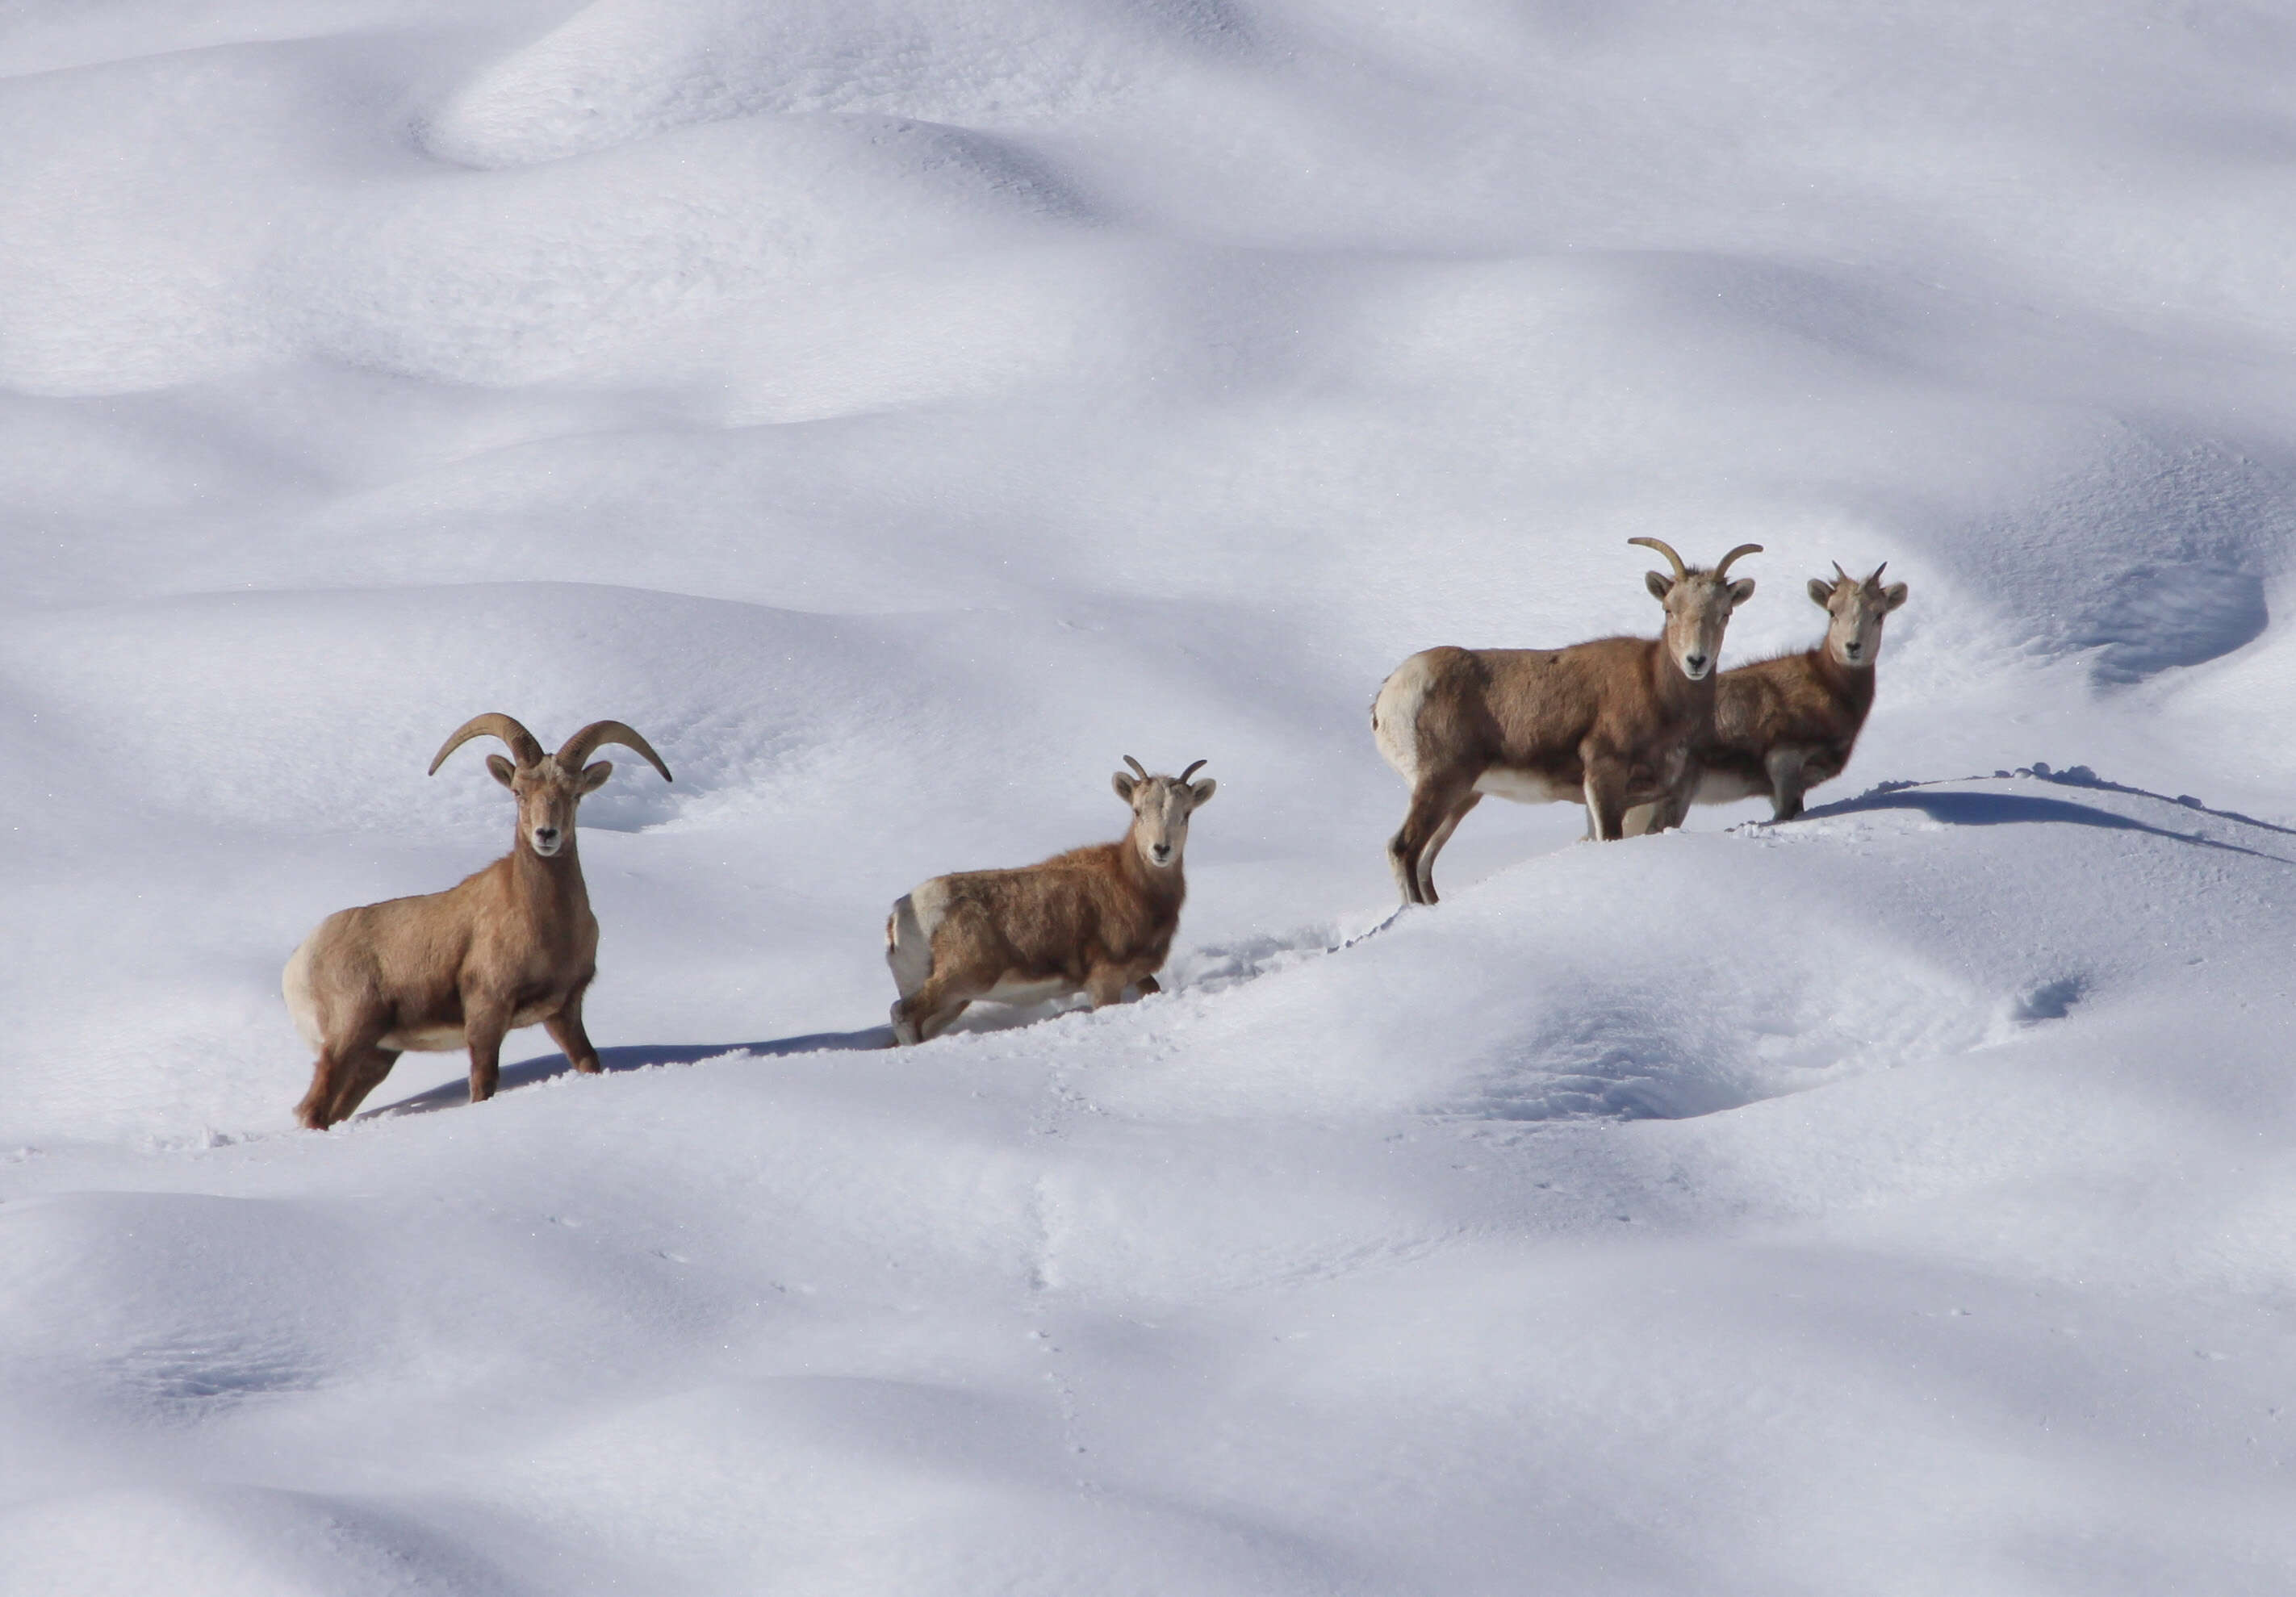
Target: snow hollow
<point x="902" y="410"/>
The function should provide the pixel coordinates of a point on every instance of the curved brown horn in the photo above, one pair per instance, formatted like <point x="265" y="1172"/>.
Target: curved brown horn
<point x="1139" y="769"/>
<point x="1722" y="566"/>
<point x="577" y="749"/>
<point x="1876" y="577"/>
<point x="1192" y="770"/>
<point x="1845" y="575"/>
<point x="1680" y="570"/>
<point x="494" y="724"/>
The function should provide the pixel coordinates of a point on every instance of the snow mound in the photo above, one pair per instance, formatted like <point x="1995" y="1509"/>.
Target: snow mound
<point x="535" y="276"/>
<point x="901" y="412"/>
<point x="144" y="1310"/>
<point x="621" y="70"/>
<point x="354" y="249"/>
<point x="235" y="1542"/>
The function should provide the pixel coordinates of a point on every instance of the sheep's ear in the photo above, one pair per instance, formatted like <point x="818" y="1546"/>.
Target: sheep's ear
<point x="1820" y="592"/>
<point x="1892" y="596"/>
<point x="1660" y="586"/>
<point x="593" y="777"/>
<point x="1202" y="793"/>
<point x="1741" y="591"/>
<point x="501" y="769"/>
<point x="1125" y="783"/>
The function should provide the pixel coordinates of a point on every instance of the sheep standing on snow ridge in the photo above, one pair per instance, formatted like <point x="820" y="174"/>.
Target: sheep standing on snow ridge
<point x="1782" y="725"/>
<point x="513" y="945"/>
<point x="1096" y="920"/>
<point x="1610" y="723"/>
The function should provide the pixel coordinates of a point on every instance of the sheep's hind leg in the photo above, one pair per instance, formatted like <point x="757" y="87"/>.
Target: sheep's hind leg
<point x="367" y="1068"/>
<point x="1435" y="844"/>
<point x="345" y="1058"/>
<point x="328" y="1076"/>
<point x="942" y="1018"/>
<point x="930" y="1010"/>
<point x="1436" y="808"/>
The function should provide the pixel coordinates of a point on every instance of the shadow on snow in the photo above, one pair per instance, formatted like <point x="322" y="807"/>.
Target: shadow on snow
<point x="2011" y="809"/>
<point x="1955" y="808"/>
<point x="452" y="1094"/>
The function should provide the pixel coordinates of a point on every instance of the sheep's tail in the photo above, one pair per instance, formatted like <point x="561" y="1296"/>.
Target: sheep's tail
<point x="908" y="947"/>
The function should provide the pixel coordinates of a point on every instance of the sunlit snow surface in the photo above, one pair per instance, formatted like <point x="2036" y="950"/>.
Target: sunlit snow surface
<point x="900" y="410"/>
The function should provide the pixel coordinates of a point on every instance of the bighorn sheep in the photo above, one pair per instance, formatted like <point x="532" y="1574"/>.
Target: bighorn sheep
<point x="511" y="946"/>
<point x="1094" y="919"/>
<point x="1609" y="723"/>
<point x="1782" y="725"/>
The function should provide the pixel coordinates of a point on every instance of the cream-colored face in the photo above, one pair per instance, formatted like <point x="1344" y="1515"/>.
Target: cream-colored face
<point x="547" y="797"/>
<point x="1855" y="611"/>
<point x="1698" y="610"/>
<point x="1160" y="808"/>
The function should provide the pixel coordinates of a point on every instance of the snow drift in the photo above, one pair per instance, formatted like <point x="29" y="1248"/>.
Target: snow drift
<point x="903" y="409"/>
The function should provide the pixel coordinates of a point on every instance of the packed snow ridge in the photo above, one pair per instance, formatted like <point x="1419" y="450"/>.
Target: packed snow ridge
<point x="899" y="412"/>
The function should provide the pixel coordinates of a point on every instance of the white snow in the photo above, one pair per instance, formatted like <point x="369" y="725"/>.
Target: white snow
<point x="900" y="410"/>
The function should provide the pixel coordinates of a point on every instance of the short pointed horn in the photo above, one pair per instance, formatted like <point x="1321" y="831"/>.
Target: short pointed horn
<point x="1192" y="770"/>
<point x="1680" y="570"/>
<point x="1876" y="577"/>
<point x="1139" y="769"/>
<point x="494" y="724"/>
<point x="578" y="748"/>
<point x="1845" y="575"/>
<point x="1722" y="567"/>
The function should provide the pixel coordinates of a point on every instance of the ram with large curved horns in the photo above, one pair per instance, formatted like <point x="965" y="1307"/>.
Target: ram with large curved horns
<point x="514" y="945"/>
<point x="1609" y="723"/>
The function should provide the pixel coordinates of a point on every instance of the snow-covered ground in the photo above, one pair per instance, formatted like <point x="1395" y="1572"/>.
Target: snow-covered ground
<point x="900" y="410"/>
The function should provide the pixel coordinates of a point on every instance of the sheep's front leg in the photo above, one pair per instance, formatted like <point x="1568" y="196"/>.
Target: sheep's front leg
<point x="484" y="1026"/>
<point x="565" y="1029"/>
<point x="1104" y="985"/>
<point x="1673" y="808"/>
<point x="1607" y="777"/>
<point x="1788" y="779"/>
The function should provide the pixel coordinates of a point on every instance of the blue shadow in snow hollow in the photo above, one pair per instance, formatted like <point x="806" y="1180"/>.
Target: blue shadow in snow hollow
<point x="2012" y="809"/>
<point x="448" y="1094"/>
